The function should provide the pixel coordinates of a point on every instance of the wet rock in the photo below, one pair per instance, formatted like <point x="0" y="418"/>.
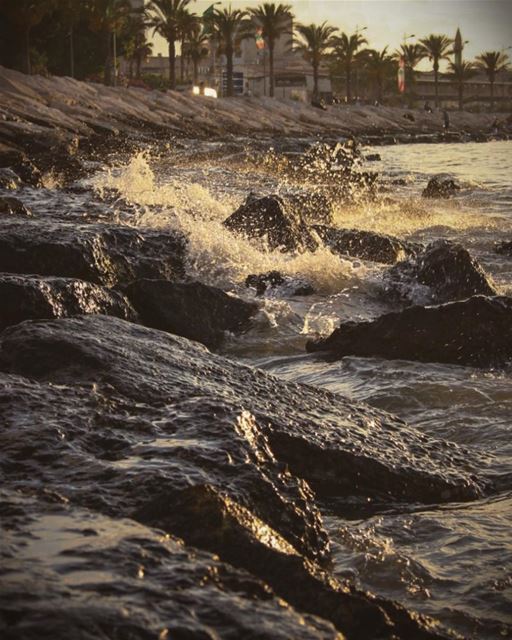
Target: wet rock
<point x="366" y="244"/>
<point x="9" y="180"/>
<point x="127" y="421"/>
<point x="13" y="207"/>
<point x="18" y="161"/>
<point x="33" y="297"/>
<point x="99" y="253"/>
<point x="287" y="285"/>
<point x="504" y="248"/>
<point x="438" y="188"/>
<point x="314" y="207"/>
<point x="102" y="577"/>
<point x="192" y="310"/>
<point x="271" y="220"/>
<point x="476" y="332"/>
<point x="373" y="157"/>
<point x="447" y="269"/>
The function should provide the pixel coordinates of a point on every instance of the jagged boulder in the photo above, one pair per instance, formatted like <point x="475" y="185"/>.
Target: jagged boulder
<point x="99" y="253"/>
<point x="16" y="160"/>
<point x="192" y="310"/>
<point x="13" y="207"/>
<point x="34" y="297"/>
<point x="476" y="332"/>
<point x="287" y="285"/>
<point x="140" y="584"/>
<point x="9" y="180"/>
<point x="448" y="271"/>
<point x="126" y="421"/>
<point x="366" y="244"/>
<point x="438" y="188"/>
<point x="314" y="207"/>
<point x="269" y="219"/>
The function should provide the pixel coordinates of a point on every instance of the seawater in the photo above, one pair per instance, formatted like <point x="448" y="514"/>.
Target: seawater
<point x="453" y="562"/>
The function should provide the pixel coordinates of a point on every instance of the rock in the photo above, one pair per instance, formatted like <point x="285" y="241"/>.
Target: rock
<point x="9" y="180"/>
<point x="366" y="244"/>
<point x="192" y="310"/>
<point x="34" y="297"/>
<point x="438" y="188"/>
<point x="125" y="421"/>
<point x="373" y="157"/>
<point x="271" y="220"/>
<point x="504" y="248"/>
<point x="17" y="161"/>
<point x="447" y="269"/>
<point x="288" y="285"/>
<point x="99" y="253"/>
<point x="140" y="584"/>
<point x="475" y="332"/>
<point x="13" y="207"/>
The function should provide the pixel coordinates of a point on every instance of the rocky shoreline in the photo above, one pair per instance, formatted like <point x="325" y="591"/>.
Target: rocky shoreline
<point x="212" y="474"/>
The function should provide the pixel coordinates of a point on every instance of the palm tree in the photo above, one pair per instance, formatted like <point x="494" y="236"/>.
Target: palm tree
<point x="165" y="21"/>
<point x="108" y="17"/>
<point x="24" y="15"/>
<point x="137" y="47"/>
<point x="274" y="21"/>
<point x="314" y="42"/>
<point x="188" y="23"/>
<point x="437" y="48"/>
<point x="492" y="62"/>
<point x="345" y="51"/>
<point x="412" y="55"/>
<point x="462" y="72"/>
<point x="380" y="65"/>
<point x="196" y="49"/>
<point x="227" y="25"/>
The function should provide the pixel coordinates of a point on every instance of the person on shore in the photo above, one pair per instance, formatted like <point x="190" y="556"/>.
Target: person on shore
<point x="446" y="119"/>
<point x="427" y="108"/>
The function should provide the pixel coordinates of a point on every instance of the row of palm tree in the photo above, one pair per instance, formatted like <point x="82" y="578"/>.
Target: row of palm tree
<point x="224" y="28"/>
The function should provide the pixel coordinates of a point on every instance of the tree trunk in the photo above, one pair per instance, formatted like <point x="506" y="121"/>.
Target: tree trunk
<point x="138" y="65"/>
<point x="196" y="71"/>
<point x="172" y="64"/>
<point x="27" y="67"/>
<point x="107" y="74"/>
<point x="130" y="69"/>
<point x="436" y="85"/>
<point x="461" y="95"/>
<point x="315" y="81"/>
<point x="491" y="83"/>
<point x="182" y="61"/>
<point x="71" y="53"/>
<point x="348" y="78"/>
<point x="271" y="67"/>
<point x="229" y="70"/>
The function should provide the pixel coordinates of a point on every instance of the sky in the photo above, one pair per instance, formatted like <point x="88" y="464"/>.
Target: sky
<point x="485" y="24"/>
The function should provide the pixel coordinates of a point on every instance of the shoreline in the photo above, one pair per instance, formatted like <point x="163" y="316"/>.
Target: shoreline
<point x="51" y="119"/>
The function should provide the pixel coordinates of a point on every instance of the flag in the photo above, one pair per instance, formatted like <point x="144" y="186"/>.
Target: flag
<point x="401" y="75"/>
<point x="260" y="41"/>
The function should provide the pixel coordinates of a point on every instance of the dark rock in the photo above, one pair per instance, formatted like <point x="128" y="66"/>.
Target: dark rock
<point x="373" y="157"/>
<point x="270" y="219"/>
<point x="102" y="254"/>
<point x="476" y="332"/>
<point x="130" y="422"/>
<point x="447" y="269"/>
<point x="504" y="248"/>
<point x="33" y="297"/>
<point x="19" y="162"/>
<point x="289" y="285"/>
<point x="192" y="310"/>
<point x="140" y="584"/>
<point x="13" y="207"/>
<point x="366" y="244"/>
<point x="9" y="180"/>
<point x="314" y="207"/>
<point x="409" y="116"/>
<point x="438" y="188"/>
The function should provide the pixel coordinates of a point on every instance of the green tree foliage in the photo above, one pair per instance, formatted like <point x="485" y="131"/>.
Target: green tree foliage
<point x="345" y="56"/>
<point x="228" y="28"/>
<point x="462" y="72"/>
